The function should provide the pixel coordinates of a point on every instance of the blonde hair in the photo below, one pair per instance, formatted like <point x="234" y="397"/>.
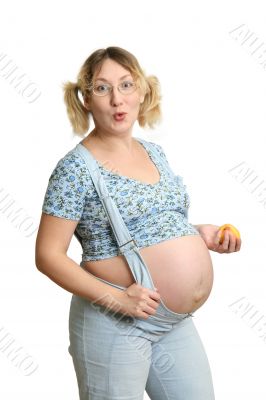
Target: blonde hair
<point x="78" y="114"/>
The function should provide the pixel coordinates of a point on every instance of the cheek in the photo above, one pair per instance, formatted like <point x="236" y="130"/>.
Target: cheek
<point x="98" y="109"/>
<point x="134" y="104"/>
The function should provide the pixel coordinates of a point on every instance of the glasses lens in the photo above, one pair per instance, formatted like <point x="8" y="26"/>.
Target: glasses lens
<point x="101" y="89"/>
<point x="127" y="87"/>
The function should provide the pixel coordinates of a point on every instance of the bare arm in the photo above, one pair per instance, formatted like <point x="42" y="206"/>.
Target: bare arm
<point x="53" y="239"/>
<point x="197" y="226"/>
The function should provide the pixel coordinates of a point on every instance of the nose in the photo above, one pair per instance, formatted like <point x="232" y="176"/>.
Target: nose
<point x="116" y="97"/>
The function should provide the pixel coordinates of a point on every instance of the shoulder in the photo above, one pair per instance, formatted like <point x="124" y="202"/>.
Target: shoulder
<point x="71" y="166"/>
<point x="156" y="147"/>
<point x="162" y="155"/>
<point x="68" y="185"/>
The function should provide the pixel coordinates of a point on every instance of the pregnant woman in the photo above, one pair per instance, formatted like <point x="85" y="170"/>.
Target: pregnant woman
<point x="145" y="269"/>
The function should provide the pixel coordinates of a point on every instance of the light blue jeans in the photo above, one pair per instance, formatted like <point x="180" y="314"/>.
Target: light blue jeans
<point x="118" y="357"/>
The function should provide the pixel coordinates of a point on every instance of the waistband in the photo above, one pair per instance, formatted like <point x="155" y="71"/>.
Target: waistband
<point x="163" y="313"/>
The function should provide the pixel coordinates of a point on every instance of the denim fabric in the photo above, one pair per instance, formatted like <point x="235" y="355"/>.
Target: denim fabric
<point x="116" y="358"/>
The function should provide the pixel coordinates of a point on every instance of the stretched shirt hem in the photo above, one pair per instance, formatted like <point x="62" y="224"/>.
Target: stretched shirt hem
<point x="117" y="253"/>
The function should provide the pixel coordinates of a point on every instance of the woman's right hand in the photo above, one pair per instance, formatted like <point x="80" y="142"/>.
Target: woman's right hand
<point x="138" y="301"/>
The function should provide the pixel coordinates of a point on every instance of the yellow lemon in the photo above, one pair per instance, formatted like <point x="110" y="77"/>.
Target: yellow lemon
<point x="232" y="228"/>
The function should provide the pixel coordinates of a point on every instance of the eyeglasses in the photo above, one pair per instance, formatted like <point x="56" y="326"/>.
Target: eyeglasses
<point x="102" y="89"/>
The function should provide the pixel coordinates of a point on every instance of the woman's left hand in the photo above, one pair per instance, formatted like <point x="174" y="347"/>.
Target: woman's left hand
<point x="211" y="236"/>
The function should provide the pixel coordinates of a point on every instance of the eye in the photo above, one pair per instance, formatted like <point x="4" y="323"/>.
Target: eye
<point x="101" y="88"/>
<point x="127" y="84"/>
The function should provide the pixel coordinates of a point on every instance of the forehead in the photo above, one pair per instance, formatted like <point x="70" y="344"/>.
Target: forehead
<point x="110" y="71"/>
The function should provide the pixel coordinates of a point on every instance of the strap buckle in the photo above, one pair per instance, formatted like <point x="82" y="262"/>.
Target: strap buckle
<point x="131" y="248"/>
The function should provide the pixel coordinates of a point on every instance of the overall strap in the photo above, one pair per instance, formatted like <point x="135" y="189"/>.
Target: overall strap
<point x="118" y="225"/>
<point x="127" y="245"/>
<point x="157" y="155"/>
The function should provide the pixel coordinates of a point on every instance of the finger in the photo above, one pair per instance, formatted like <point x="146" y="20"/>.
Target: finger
<point x="150" y="303"/>
<point x="235" y="243"/>
<point x="142" y="314"/>
<point x="238" y="244"/>
<point x="153" y="304"/>
<point x="145" y="309"/>
<point x="232" y="242"/>
<point x="225" y="243"/>
<point x="154" y="295"/>
<point x="223" y="246"/>
<point x="150" y="310"/>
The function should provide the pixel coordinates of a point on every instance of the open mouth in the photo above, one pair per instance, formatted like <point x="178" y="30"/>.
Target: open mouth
<point x="119" y="116"/>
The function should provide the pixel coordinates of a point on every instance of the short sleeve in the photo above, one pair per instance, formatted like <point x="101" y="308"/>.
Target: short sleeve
<point x="67" y="186"/>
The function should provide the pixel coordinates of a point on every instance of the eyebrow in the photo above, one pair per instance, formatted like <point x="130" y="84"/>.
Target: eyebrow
<point x="105" y="80"/>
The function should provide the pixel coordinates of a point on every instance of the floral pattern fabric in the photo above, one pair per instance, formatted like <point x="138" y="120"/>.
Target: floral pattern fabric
<point x="152" y="212"/>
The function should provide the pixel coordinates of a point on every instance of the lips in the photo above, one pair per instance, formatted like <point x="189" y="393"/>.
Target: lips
<point x="119" y="116"/>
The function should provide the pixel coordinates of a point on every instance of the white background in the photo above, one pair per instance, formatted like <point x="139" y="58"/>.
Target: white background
<point x="213" y="91"/>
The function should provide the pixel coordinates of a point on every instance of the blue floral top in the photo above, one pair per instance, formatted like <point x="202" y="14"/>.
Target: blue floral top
<point x="152" y="212"/>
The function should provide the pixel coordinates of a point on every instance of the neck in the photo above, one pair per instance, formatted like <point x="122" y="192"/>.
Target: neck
<point x="113" y="143"/>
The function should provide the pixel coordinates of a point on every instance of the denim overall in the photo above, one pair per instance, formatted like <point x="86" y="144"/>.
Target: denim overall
<point x="95" y="333"/>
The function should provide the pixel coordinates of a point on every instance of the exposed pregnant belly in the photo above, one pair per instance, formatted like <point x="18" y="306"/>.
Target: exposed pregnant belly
<point x="181" y="269"/>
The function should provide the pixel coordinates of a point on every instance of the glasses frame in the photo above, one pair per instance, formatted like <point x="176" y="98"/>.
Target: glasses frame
<point x="92" y="86"/>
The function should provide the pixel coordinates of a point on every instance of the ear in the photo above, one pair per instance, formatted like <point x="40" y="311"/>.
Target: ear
<point x="86" y="103"/>
<point x="141" y="99"/>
